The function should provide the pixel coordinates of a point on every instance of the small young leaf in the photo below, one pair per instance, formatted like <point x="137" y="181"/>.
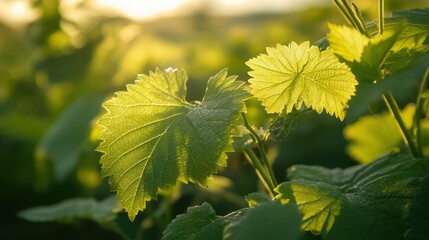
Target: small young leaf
<point x="199" y="223"/>
<point x="70" y="210"/>
<point x="363" y="55"/>
<point x="293" y="75"/>
<point x="361" y="202"/>
<point x="153" y="137"/>
<point x="268" y="220"/>
<point x="254" y="199"/>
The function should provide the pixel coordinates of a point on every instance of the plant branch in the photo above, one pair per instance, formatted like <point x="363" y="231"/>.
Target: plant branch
<point x="345" y="12"/>
<point x="417" y="115"/>
<point x="261" y="148"/>
<point x="380" y="16"/>
<point x="260" y="171"/>
<point x="406" y="135"/>
<point x="351" y="15"/>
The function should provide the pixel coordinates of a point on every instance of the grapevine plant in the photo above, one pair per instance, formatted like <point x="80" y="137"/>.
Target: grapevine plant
<point x="153" y="138"/>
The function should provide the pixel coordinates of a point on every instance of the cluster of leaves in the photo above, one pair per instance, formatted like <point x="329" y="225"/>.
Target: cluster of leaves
<point x="153" y="138"/>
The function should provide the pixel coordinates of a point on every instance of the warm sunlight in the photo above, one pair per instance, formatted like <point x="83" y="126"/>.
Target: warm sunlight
<point x="143" y="9"/>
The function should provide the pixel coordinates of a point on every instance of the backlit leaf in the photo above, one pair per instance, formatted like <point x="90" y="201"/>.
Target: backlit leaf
<point x="361" y="202"/>
<point x="69" y="210"/>
<point x="62" y="142"/>
<point x="268" y="220"/>
<point x="374" y="135"/>
<point x="199" y="223"/>
<point x="364" y="55"/>
<point x="153" y="137"/>
<point x="296" y="75"/>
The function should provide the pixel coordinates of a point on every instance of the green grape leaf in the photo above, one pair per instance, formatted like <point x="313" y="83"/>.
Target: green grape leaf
<point x="74" y="209"/>
<point x="199" y="223"/>
<point x="374" y="135"/>
<point x="268" y="220"/>
<point x="347" y="43"/>
<point x="363" y="55"/>
<point x="63" y="141"/>
<point x="293" y="75"/>
<point x="413" y="40"/>
<point x="153" y="137"/>
<point x="417" y="215"/>
<point x="254" y="199"/>
<point x="361" y="202"/>
<point x="366" y="92"/>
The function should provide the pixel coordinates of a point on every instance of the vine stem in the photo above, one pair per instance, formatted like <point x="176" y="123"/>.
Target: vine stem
<point x="351" y="16"/>
<point x="406" y="135"/>
<point x="380" y="16"/>
<point x="419" y="107"/>
<point x="390" y="100"/>
<point x="260" y="171"/>
<point x="261" y="148"/>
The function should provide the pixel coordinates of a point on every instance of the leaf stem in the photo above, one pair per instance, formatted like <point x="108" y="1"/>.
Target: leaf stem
<point x="261" y="148"/>
<point x="345" y="12"/>
<point x="260" y="171"/>
<point x="352" y="15"/>
<point x="380" y="16"/>
<point x="417" y="115"/>
<point x="406" y="135"/>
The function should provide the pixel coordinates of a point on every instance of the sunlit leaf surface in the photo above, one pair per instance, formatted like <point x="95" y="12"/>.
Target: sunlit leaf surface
<point x="361" y="202"/>
<point x="153" y="137"/>
<point x="268" y="220"/>
<point x="295" y="75"/>
<point x="73" y="209"/>
<point x="199" y="223"/>
<point x="374" y="135"/>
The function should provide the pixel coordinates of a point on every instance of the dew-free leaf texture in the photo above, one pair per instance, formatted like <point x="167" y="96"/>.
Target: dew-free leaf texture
<point x="268" y="220"/>
<point x="404" y="39"/>
<point x="69" y="210"/>
<point x="293" y="75"/>
<point x="374" y="135"/>
<point x="361" y="202"/>
<point x="418" y="213"/>
<point x="153" y="137"/>
<point x="364" y="55"/>
<point x="199" y="223"/>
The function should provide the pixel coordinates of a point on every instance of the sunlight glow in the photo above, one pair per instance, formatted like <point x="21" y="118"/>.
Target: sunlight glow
<point x="16" y="12"/>
<point x="139" y="9"/>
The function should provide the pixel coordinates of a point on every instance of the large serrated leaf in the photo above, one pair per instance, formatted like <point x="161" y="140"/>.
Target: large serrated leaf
<point x="199" y="223"/>
<point x="361" y="202"/>
<point x="63" y="141"/>
<point x="268" y="220"/>
<point x="153" y="137"/>
<point x="404" y="40"/>
<point x="374" y="135"/>
<point x="73" y="209"/>
<point x="364" y="55"/>
<point x="417" y="215"/>
<point x="293" y="75"/>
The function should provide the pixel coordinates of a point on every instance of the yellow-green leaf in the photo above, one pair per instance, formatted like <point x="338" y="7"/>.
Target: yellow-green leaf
<point x="153" y="137"/>
<point x="374" y="135"/>
<point x="295" y="75"/>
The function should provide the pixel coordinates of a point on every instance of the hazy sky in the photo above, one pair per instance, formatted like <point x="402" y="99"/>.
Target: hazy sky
<point x="19" y="11"/>
<point x="150" y="8"/>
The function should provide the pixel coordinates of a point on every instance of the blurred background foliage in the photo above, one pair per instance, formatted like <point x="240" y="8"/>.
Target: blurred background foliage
<point x="58" y="67"/>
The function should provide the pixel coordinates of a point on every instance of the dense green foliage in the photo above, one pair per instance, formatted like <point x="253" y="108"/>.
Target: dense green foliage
<point x="163" y="132"/>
